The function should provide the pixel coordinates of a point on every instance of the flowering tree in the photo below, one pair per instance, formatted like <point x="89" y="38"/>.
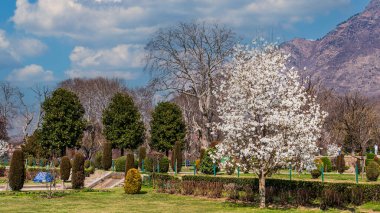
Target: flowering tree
<point x="267" y="117"/>
<point x="3" y="148"/>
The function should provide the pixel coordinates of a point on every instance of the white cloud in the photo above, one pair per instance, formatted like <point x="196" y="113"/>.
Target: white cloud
<point x="131" y="21"/>
<point x="119" y="61"/>
<point x="4" y="43"/>
<point x="33" y="72"/>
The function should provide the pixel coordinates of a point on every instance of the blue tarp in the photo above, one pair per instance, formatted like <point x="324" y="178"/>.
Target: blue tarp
<point x="43" y="177"/>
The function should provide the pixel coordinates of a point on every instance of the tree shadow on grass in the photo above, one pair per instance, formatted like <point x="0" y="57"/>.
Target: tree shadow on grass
<point x="142" y="192"/>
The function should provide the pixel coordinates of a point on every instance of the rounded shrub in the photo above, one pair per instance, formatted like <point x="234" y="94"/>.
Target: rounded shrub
<point x="327" y="165"/>
<point x="370" y="156"/>
<point x="130" y="163"/>
<point x="17" y="171"/>
<point x="98" y="160"/>
<point x="340" y="163"/>
<point x="133" y="182"/>
<point x="207" y="165"/>
<point x="120" y="164"/>
<point x="107" y="156"/>
<point x="230" y="169"/>
<point x="87" y="164"/>
<point x="88" y="171"/>
<point x="56" y="162"/>
<point x="164" y="165"/>
<point x="65" y="168"/>
<point x="315" y="173"/>
<point x="142" y="155"/>
<point x="372" y="171"/>
<point x="78" y="176"/>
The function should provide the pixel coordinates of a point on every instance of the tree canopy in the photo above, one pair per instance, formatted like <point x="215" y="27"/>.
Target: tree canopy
<point x="167" y="126"/>
<point x="63" y="123"/>
<point x="123" y="125"/>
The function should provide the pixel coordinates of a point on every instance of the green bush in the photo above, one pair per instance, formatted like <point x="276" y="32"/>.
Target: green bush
<point x="120" y="164"/>
<point x="164" y="165"/>
<point x="207" y="165"/>
<point x="177" y="156"/>
<point x="87" y="164"/>
<point x="372" y="171"/>
<point x="142" y="155"/>
<point x="78" y="176"/>
<point x="65" y="168"/>
<point x="133" y="181"/>
<point x="89" y="171"/>
<point x="370" y="156"/>
<point x="340" y="163"/>
<point x="30" y="160"/>
<point x="107" y="156"/>
<point x="17" y="171"/>
<point x="130" y="163"/>
<point x="98" y="160"/>
<point x="2" y="171"/>
<point x="149" y="164"/>
<point x="315" y="173"/>
<point x="326" y="164"/>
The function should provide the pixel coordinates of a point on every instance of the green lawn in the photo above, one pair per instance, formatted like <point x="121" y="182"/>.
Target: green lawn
<point x="116" y="201"/>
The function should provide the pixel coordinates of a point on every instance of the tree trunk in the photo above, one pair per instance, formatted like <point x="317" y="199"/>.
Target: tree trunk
<point x="262" y="190"/>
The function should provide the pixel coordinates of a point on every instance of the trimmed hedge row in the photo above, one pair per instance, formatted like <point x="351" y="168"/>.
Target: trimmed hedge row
<point x="277" y="190"/>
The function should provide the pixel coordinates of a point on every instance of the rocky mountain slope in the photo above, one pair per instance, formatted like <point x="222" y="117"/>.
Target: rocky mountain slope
<point x="347" y="58"/>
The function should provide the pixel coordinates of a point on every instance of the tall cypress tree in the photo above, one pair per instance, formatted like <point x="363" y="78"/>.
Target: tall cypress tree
<point x="123" y="125"/>
<point x="167" y="126"/>
<point x="63" y="122"/>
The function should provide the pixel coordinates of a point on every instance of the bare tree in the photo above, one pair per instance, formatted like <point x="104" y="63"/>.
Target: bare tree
<point x="9" y="102"/>
<point x="186" y="59"/>
<point x="41" y="92"/>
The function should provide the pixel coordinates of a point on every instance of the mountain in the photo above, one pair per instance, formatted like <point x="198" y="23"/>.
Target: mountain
<point x="347" y="58"/>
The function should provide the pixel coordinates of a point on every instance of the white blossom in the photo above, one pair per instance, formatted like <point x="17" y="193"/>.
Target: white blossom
<point x="333" y="150"/>
<point x="267" y="117"/>
<point x="3" y="148"/>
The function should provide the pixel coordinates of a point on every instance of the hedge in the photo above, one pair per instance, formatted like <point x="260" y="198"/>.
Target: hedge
<point x="278" y="190"/>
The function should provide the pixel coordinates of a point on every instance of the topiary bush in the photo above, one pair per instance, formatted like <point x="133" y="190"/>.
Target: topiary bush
<point x="107" y="156"/>
<point x="148" y="164"/>
<point x="372" y="171"/>
<point x="98" y="160"/>
<point x="207" y="165"/>
<point x="78" y="176"/>
<point x="65" y="168"/>
<point x="120" y="164"/>
<point x="87" y="164"/>
<point x="164" y="165"/>
<point x="315" y="173"/>
<point x="133" y="182"/>
<point x="89" y="171"/>
<point x="17" y="171"/>
<point x="130" y="163"/>
<point x="340" y="163"/>
<point x="326" y="164"/>
<point x="177" y="156"/>
<point x="142" y="155"/>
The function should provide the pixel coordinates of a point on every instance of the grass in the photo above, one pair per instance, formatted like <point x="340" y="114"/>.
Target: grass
<point x="116" y="201"/>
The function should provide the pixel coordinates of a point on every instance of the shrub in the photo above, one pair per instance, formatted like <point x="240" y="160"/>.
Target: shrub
<point x="372" y="171"/>
<point x="133" y="182"/>
<point x="142" y="155"/>
<point x="2" y="171"/>
<point x="87" y="164"/>
<point x="78" y="176"/>
<point x="326" y="164"/>
<point x="149" y="164"/>
<point x="370" y="156"/>
<point x="56" y="162"/>
<point x="315" y="173"/>
<point x="98" y="160"/>
<point x="340" y="163"/>
<point x="41" y="162"/>
<point x="198" y="164"/>
<point x="89" y="171"/>
<point x="120" y="164"/>
<point x="136" y="164"/>
<point x="207" y="165"/>
<point x="30" y="160"/>
<point x="107" y="156"/>
<point x="202" y="153"/>
<point x="177" y="156"/>
<point x="130" y="163"/>
<point x="164" y="165"/>
<point x="65" y="168"/>
<point x="230" y="169"/>
<point x="17" y="171"/>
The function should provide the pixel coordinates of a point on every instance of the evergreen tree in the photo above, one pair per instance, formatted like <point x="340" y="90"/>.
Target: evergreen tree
<point x="167" y="126"/>
<point x="123" y="126"/>
<point x="107" y="156"/>
<point x="63" y="123"/>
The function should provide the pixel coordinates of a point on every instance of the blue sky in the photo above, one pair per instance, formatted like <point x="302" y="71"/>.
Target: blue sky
<point x="46" y="41"/>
